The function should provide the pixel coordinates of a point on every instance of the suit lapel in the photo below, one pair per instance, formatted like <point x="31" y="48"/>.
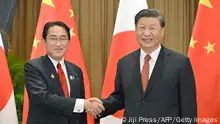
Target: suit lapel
<point x="136" y="76"/>
<point x="72" y="76"/>
<point x="158" y="70"/>
<point x="52" y="74"/>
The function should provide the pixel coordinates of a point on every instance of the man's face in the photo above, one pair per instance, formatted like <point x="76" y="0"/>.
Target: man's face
<point x="149" y="33"/>
<point x="57" y="42"/>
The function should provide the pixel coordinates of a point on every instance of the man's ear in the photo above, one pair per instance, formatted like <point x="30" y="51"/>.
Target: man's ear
<point x="162" y="31"/>
<point x="43" y="40"/>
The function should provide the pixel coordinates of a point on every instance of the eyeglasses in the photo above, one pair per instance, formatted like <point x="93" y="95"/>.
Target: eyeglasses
<point x="55" y="39"/>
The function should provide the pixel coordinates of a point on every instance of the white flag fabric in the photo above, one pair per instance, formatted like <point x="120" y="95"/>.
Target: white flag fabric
<point x="8" y="114"/>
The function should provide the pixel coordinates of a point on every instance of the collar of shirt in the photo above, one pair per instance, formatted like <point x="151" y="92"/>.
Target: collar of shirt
<point x="154" y="55"/>
<point x="55" y="63"/>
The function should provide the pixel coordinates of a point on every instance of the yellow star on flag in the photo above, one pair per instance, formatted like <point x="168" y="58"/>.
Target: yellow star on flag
<point x="71" y="32"/>
<point x="71" y="13"/>
<point x="206" y="3"/>
<point x="192" y="43"/>
<point x="35" y="42"/>
<point x="210" y="48"/>
<point x="48" y="2"/>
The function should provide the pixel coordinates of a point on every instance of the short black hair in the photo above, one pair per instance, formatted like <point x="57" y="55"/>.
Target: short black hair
<point x="48" y="25"/>
<point x="150" y="13"/>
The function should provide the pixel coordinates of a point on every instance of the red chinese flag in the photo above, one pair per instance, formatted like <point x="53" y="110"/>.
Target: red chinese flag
<point x="59" y="10"/>
<point x="204" y="53"/>
<point x="123" y="42"/>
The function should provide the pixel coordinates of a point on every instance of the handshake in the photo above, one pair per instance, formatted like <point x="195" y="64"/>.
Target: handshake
<point x="93" y="106"/>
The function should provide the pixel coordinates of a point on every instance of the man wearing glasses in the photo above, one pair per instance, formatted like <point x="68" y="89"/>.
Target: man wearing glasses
<point x="55" y="86"/>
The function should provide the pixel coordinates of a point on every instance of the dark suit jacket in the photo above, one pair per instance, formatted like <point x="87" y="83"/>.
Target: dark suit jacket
<point x="170" y="91"/>
<point x="47" y="104"/>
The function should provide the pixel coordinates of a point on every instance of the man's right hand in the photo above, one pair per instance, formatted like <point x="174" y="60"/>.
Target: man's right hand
<point x="93" y="106"/>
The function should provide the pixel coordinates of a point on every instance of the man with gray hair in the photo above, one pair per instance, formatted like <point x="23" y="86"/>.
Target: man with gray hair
<point x="153" y="84"/>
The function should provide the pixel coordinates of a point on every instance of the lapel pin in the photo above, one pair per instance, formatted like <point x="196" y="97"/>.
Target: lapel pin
<point x="52" y="76"/>
<point x="72" y="77"/>
<point x="76" y="76"/>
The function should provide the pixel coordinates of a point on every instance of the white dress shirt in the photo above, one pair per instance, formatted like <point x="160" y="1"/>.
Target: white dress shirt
<point x="79" y="105"/>
<point x="154" y="55"/>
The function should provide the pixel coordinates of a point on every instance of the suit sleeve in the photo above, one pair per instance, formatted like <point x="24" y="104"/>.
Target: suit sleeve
<point x="39" y="95"/>
<point x="79" y="104"/>
<point x="115" y="101"/>
<point x="188" y="106"/>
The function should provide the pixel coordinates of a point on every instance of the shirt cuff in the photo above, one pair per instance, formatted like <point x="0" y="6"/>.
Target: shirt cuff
<point x="79" y="106"/>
